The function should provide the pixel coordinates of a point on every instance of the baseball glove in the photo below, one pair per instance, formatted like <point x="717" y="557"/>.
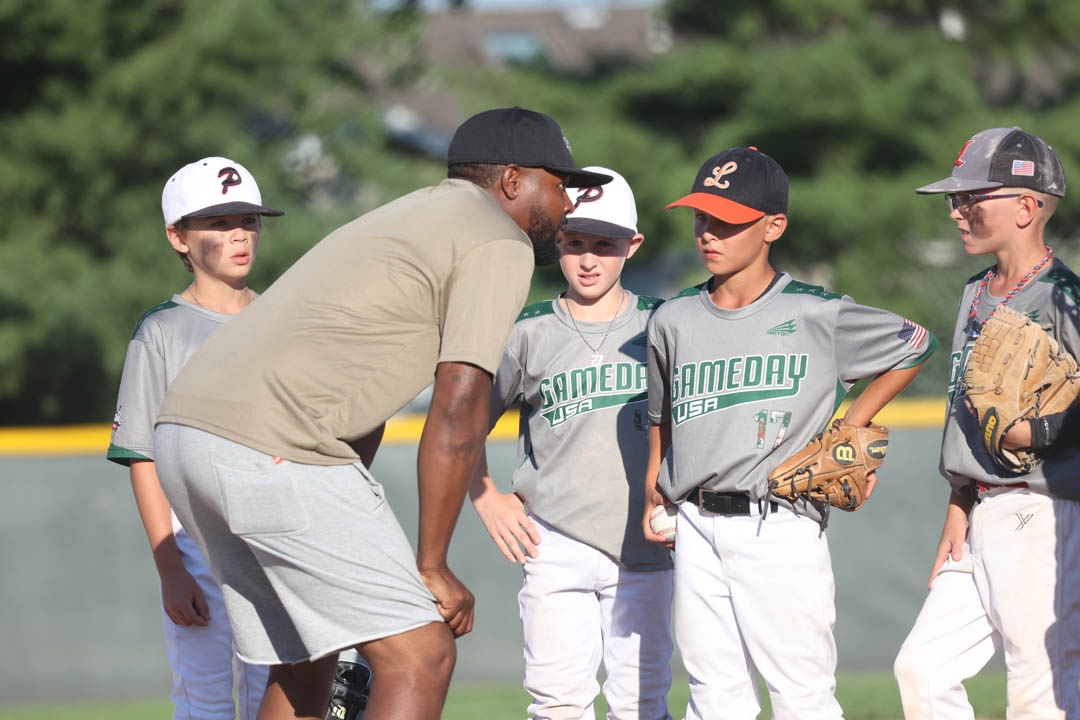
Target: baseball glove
<point x="832" y="468"/>
<point x="1016" y="372"/>
<point x="350" y="689"/>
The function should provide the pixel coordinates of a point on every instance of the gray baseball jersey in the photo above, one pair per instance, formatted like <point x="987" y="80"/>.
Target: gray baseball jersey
<point x="583" y="443"/>
<point x="1050" y="299"/>
<point x="164" y="338"/>
<point x="745" y="389"/>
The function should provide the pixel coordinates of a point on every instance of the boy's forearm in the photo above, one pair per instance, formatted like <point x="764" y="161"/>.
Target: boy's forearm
<point x="960" y="500"/>
<point x="156" y="515"/>
<point x="877" y="395"/>
<point x="481" y="478"/>
<point x="450" y="446"/>
<point x="659" y="442"/>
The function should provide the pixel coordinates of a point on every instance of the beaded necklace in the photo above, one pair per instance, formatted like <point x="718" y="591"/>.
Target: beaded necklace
<point x="974" y="327"/>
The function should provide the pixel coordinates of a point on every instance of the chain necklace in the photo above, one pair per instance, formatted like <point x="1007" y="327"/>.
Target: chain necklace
<point x="975" y="327"/>
<point x="597" y="358"/>
<point x="191" y="290"/>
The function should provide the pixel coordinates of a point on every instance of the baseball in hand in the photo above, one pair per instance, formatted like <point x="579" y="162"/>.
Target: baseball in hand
<point x="663" y="519"/>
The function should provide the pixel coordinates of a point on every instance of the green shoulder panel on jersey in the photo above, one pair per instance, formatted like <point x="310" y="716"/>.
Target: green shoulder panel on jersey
<point x="157" y="308"/>
<point x="1066" y="280"/>
<point x="544" y="307"/>
<point x="646" y="302"/>
<point x="691" y="291"/>
<point x="977" y="276"/>
<point x="795" y="287"/>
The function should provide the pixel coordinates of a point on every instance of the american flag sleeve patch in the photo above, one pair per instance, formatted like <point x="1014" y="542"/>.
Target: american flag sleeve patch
<point x="912" y="333"/>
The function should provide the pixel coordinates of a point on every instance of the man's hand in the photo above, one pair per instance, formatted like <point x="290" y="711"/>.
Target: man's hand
<point x="953" y="534"/>
<point x="453" y="600"/>
<point x="182" y="599"/>
<point x="506" y="521"/>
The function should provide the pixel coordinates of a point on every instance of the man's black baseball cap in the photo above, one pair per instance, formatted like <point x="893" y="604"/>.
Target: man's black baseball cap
<point x="738" y="186"/>
<point x="521" y="137"/>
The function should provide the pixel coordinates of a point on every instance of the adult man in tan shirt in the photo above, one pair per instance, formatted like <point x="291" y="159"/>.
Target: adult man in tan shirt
<point x="265" y="437"/>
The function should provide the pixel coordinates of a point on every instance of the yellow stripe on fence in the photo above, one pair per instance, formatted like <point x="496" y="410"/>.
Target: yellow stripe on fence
<point x="66" y="440"/>
<point x="402" y="429"/>
<point x="908" y="413"/>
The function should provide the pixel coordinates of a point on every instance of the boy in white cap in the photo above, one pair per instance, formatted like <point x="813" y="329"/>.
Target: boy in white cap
<point x="593" y="587"/>
<point x="212" y="210"/>
<point x="1007" y="570"/>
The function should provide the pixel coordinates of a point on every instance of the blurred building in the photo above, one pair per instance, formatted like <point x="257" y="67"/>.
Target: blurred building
<point x="570" y="39"/>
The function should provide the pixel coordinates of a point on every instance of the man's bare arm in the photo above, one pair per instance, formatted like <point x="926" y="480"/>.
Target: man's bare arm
<point x="454" y="434"/>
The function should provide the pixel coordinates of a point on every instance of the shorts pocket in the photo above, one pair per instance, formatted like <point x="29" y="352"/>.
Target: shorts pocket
<point x="260" y="502"/>
<point x="374" y="485"/>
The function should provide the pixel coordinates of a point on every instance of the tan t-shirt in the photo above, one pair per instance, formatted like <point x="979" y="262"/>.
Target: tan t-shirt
<point x="354" y="330"/>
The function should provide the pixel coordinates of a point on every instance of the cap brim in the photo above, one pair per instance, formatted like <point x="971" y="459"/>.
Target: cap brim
<point x="957" y="184"/>
<point x="600" y="228"/>
<point x="234" y="208"/>
<point x="581" y="178"/>
<point x="718" y="207"/>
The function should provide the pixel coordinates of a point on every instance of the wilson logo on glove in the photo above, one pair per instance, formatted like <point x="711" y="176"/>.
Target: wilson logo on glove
<point x="844" y="454"/>
<point x="833" y="467"/>
<point x="877" y="449"/>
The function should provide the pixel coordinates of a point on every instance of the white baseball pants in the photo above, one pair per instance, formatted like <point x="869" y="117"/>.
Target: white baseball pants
<point x="1017" y="586"/>
<point x="202" y="657"/>
<point x="578" y="606"/>
<point x="755" y="595"/>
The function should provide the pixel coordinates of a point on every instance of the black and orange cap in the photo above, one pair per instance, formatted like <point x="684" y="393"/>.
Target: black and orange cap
<point x="738" y="186"/>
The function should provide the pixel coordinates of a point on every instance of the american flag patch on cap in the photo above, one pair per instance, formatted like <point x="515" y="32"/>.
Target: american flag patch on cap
<point x="1023" y="167"/>
<point x="913" y="333"/>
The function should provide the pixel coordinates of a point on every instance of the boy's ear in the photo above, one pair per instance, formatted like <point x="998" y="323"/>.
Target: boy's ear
<point x="1027" y="210"/>
<point x="775" y="225"/>
<point x="176" y="238"/>
<point x="635" y="243"/>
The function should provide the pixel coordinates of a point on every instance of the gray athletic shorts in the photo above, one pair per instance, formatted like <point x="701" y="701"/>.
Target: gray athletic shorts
<point x="310" y="558"/>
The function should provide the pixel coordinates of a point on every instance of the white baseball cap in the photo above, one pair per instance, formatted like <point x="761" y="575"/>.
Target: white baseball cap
<point x="606" y="210"/>
<point x="211" y="187"/>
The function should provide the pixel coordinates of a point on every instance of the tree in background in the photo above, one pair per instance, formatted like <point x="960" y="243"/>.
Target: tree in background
<point x="105" y="99"/>
<point x="860" y="100"/>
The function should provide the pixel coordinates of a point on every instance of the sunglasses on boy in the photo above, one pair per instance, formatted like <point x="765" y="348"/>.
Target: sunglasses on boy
<point x="964" y="201"/>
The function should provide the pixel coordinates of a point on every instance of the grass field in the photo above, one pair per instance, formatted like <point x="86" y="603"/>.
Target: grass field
<point x="864" y="696"/>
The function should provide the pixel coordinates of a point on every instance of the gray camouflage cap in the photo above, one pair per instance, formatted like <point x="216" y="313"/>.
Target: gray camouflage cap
<point x="1003" y="157"/>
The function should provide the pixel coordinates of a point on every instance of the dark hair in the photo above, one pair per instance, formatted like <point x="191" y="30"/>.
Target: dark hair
<point x="483" y="174"/>
<point x="182" y="226"/>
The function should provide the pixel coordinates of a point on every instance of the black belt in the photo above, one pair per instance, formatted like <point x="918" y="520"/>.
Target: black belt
<point x="724" y="503"/>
